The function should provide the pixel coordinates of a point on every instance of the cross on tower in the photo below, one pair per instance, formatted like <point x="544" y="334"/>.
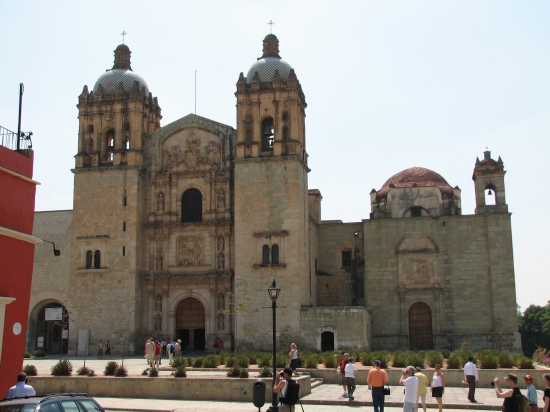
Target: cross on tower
<point x="123" y="34"/>
<point x="271" y="23"/>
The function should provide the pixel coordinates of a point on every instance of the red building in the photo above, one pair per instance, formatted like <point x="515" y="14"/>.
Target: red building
<point x="17" y="193"/>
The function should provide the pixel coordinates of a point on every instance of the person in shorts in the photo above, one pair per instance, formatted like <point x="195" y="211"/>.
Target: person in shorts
<point x="411" y="389"/>
<point x="438" y="386"/>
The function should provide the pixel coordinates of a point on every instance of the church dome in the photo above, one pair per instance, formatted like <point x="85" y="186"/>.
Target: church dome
<point x="269" y="62"/>
<point x="416" y="177"/>
<point x="121" y="72"/>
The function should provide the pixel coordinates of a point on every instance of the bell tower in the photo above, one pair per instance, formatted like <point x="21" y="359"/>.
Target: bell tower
<point x="488" y="178"/>
<point x="271" y="199"/>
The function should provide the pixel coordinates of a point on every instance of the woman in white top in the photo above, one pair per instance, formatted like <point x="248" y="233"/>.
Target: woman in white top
<point x="438" y="386"/>
<point x="293" y="356"/>
<point x="349" y="378"/>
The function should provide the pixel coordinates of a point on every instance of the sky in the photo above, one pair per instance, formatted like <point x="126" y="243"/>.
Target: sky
<point x="389" y="85"/>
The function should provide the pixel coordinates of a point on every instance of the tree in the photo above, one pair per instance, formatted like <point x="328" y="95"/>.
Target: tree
<point x="534" y="327"/>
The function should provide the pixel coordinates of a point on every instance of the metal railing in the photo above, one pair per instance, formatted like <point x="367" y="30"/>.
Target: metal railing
<point x="10" y="140"/>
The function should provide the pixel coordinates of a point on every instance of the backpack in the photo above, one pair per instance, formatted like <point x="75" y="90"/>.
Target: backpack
<point x="292" y="393"/>
<point x="524" y="404"/>
<point x="172" y="350"/>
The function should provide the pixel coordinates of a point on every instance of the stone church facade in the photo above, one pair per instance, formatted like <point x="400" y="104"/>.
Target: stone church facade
<point x="177" y="232"/>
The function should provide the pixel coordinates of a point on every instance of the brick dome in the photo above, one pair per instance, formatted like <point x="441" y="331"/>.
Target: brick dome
<point x="416" y="177"/>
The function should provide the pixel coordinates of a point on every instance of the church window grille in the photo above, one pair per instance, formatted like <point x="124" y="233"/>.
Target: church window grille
<point x="275" y="254"/>
<point x="191" y="206"/>
<point x="267" y="134"/>
<point x="420" y="327"/>
<point x="346" y="258"/>
<point x="90" y="128"/>
<point x="97" y="259"/>
<point x="89" y="259"/>
<point x="265" y="255"/>
<point x="416" y="211"/>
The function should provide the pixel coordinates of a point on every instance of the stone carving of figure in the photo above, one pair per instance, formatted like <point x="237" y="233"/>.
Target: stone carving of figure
<point x="221" y="305"/>
<point x="158" y="304"/>
<point x="159" y="262"/>
<point x="160" y="202"/>
<point x="158" y="323"/>
<point x="221" y="261"/>
<point x="221" y="322"/>
<point x="221" y="199"/>
<point x="221" y="243"/>
<point x="189" y="251"/>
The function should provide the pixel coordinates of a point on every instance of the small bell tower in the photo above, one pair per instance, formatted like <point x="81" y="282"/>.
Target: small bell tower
<point x="488" y="178"/>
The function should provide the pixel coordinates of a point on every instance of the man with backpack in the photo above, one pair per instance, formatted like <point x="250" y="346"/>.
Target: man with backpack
<point x="288" y="389"/>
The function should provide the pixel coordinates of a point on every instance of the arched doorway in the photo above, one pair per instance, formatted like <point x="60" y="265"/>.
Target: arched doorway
<point x="327" y="341"/>
<point x="420" y="326"/>
<point x="190" y="324"/>
<point x="52" y="329"/>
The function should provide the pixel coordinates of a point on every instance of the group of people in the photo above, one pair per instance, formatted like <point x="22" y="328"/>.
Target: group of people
<point x="101" y="346"/>
<point x="154" y="349"/>
<point x="513" y="396"/>
<point x="416" y="387"/>
<point x="218" y="346"/>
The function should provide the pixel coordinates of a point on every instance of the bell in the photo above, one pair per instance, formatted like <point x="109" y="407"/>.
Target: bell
<point x="489" y="193"/>
<point x="267" y="131"/>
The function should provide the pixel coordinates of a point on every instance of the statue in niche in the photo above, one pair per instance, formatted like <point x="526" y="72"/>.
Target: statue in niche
<point x="221" y="199"/>
<point x="158" y="323"/>
<point x="213" y="153"/>
<point x="160" y="202"/>
<point x="160" y="263"/>
<point x="158" y="304"/>
<point x="221" y="243"/>
<point x="221" y="303"/>
<point x="221" y="261"/>
<point x="221" y="322"/>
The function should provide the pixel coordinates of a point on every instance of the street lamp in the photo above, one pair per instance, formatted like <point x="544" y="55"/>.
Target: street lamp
<point x="274" y="294"/>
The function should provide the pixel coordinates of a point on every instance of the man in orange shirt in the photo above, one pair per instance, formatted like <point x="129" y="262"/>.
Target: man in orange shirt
<point x="376" y="380"/>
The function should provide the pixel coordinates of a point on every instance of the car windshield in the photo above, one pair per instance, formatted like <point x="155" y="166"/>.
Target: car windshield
<point x="90" y="405"/>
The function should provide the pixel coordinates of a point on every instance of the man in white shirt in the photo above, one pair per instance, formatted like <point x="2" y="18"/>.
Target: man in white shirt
<point x="471" y="376"/>
<point x="21" y="389"/>
<point x="411" y="389"/>
<point x="170" y="351"/>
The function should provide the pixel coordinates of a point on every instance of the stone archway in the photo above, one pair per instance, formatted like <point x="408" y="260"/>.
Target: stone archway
<point x="420" y="326"/>
<point x="191" y="325"/>
<point x="52" y="329"/>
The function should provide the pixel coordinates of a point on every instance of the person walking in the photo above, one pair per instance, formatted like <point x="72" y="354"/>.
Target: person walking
<point x="170" y="350"/>
<point x="376" y="380"/>
<point x="531" y="394"/>
<point x="438" y="386"/>
<point x="178" y="347"/>
<point x="512" y="397"/>
<point x="411" y="389"/>
<point x="546" y="397"/>
<point x="350" y="370"/>
<point x="150" y="351"/>
<point x="220" y="346"/>
<point x="342" y="365"/>
<point x="422" y="387"/>
<point x="472" y="377"/>
<point x="21" y="389"/>
<point x="108" y="349"/>
<point x="100" y="349"/>
<point x="157" y="354"/>
<point x="293" y="358"/>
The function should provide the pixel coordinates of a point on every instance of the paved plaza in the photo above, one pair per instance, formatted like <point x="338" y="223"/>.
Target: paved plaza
<point x="322" y="398"/>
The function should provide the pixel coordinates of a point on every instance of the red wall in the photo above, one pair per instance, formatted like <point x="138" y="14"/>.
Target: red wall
<point x="16" y="259"/>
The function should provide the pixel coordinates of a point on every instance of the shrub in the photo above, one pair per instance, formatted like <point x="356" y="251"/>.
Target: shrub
<point x="446" y="353"/>
<point x="523" y="362"/>
<point x="180" y="372"/>
<point x="91" y="372"/>
<point x="178" y="361"/>
<point x="221" y="358"/>
<point x="253" y="358"/>
<point x="39" y="353"/>
<point x="27" y="355"/>
<point x="399" y="359"/>
<point x="434" y="357"/>
<point x="367" y="359"/>
<point x="110" y="368"/>
<point x="454" y="361"/>
<point x="234" y="372"/>
<point x="266" y="372"/>
<point x="190" y="361"/>
<point x="62" y="368"/>
<point x="329" y="360"/>
<point x="415" y="359"/>
<point x="505" y="360"/>
<point x="264" y="360"/>
<point x="210" y="361"/>
<point x="83" y="371"/>
<point x="153" y="372"/>
<point x="243" y="373"/>
<point x="121" y="372"/>
<point x="282" y="360"/>
<point x="488" y="360"/>
<point x="310" y="361"/>
<point x="383" y="357"/>
<point x="230" y="361"/>
<point x="144" y="373"/>
<point x="197" y="363"/>
<point x="242" y="361"/>
<point x="30" y="370"/>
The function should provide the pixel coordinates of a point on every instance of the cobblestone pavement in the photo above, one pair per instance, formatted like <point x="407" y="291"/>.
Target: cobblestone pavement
<point x="322" y="398"/>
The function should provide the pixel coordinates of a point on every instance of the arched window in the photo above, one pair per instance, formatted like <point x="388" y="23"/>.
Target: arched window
<point x="127" y="143"/>
<point x="89" y="259"/>
<point x="97" y="259"/>
<point x="265" y="255"/>
<point x="191" y="206"/>
<point x="90" y="128"/>
<point x="490" y="195"/>
<point x="267" y="134"/>
<point x="327" y="341"/>
<point x="275" y="254"/>
<point x="110" y="136"/>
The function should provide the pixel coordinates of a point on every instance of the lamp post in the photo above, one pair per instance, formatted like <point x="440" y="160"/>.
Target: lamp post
<point x="274" y="295"/>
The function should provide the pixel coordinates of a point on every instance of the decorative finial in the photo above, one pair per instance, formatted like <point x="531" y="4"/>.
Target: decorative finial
<point x="271" y="23"/>
<point x="123" y="34"/>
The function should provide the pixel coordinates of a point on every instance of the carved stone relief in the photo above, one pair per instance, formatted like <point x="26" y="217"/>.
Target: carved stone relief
<point x="417" y="261"/>
<point x="159" y="263"/>
<point x="221" y="261"/>
<point x="158" y="303"/>
<point x="160" y="202"/>
<point x="221" y="199"/>
<point x="221" y="243"/>
<point x="189" y="251"/>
